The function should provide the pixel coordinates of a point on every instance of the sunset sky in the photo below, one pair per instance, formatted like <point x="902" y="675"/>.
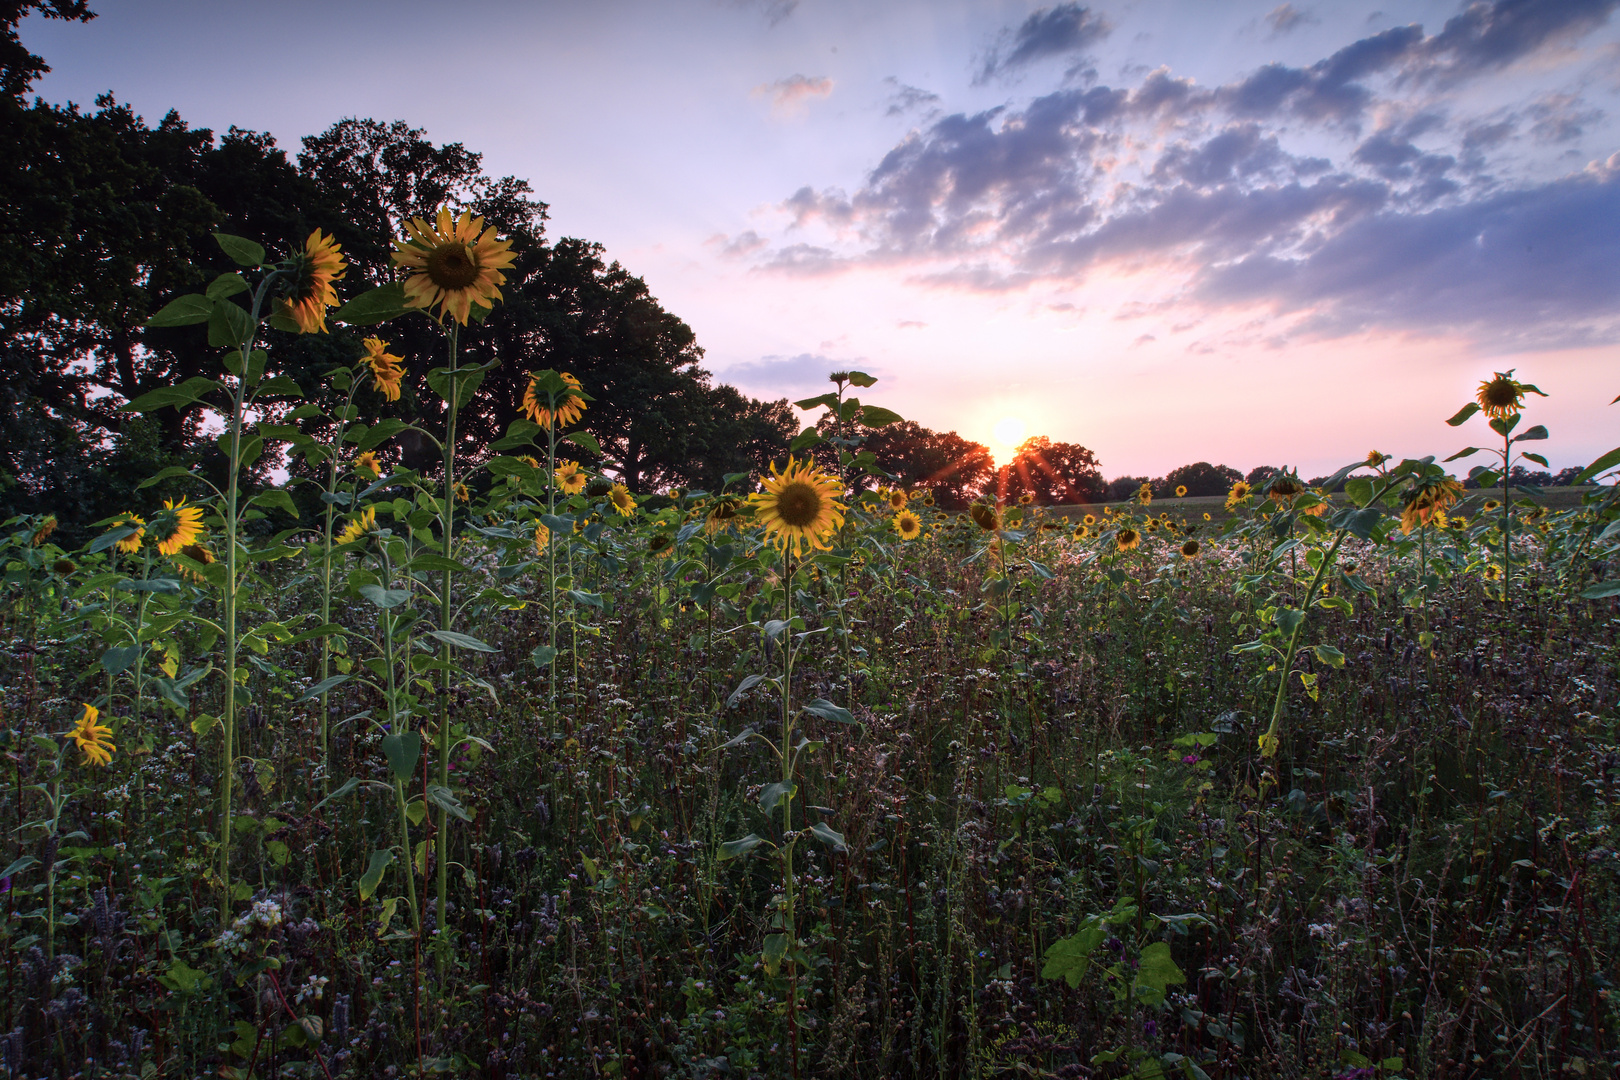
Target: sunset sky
<point x="1243" y="233"/>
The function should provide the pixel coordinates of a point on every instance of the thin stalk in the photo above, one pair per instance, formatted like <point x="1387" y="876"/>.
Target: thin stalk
<point x="446" y="615"/>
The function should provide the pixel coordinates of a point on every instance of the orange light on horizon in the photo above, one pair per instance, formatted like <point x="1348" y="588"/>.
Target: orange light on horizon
<point x="1006" y="437"/>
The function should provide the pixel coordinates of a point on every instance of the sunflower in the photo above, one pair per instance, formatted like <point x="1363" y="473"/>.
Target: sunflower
<point x="537" y="406"/>
<point x="1082" y="532"/>
<point x="1127" y="538"/>
<point x="1428" y="498"/>
<point x="1501" y="397"/>
<point x="1025" y="499"/>
<point x="197" y="554"/>
<point x="1151" y="527"/>
<point x="985" y="517"/>
<point x="1240" y="492"/>
<point x="454" y="262"/>
<point x="1206" y="516"/>
<point x="1191" y="549"/>
<point x="622" y="500"/>
<point x="542" y="537"/>
<point x="1181" y="491"/>
<point x="571" y="478"/>
<point x="94" y="739"/>
<point x="43" y="532"/>
<point x="1284" y="488"/>
<point x="1375" y="458"/>
<point x="907" y="524"/>
<point x="313" y="271"/>
<point x="1493" y="572"/>
<point x="1491" y="504"/>
<point x="799" y="507"/>
<point x="187" y="527"/>
<point x="386" y="373"/>
<point x="1144" y="494"/>
<point x="363" y="523"/>
<point x="660" y="545"/>
<point x="1321" y="508"/>
<point x="897" y="499"/>
<point x="462" y="494"/>
<point x="722" y="512"/>
<point x="928" y="497"/>
<point x="367" y="462"/>
<point x="131" y="543"/>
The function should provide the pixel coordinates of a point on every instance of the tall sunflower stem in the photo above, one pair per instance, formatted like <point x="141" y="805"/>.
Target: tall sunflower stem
<point x="446" y="617"/>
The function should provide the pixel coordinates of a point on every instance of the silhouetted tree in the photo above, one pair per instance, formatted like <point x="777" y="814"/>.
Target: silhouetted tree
<point x="1053" y="472"/>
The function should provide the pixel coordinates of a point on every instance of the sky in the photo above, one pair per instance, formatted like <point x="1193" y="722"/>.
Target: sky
<point x="1246" y="233"/>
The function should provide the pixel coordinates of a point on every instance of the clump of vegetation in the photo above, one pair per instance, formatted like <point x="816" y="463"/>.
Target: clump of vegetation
<point x="493" y="765"/>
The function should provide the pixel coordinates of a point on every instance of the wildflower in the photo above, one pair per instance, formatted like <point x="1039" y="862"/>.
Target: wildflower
<point x="1144" y="494"/>
<point x="94" y="739"/>
<point x="622" y="500"/>
<point x="542" y="537"/>
<point x="907" y="524"/>
<point x="1501" y="397"/>
<point x="132" y="542"/>
<point x="1181" y="491"/>
<point x="367" y="463"/>
<point x="43" y="532"/>
<point x="386" y="373"/>
<point x="187" y="527"/>
<point x="537" y="406"/>
<point x="571" y="478"/>
<point x="454" y="262"/>
<point x="799" y="507"/>
<point x="1127" y="538"/>
<point x="1239" y="493"/>
<point x="722" y="512"/>
<point x="897" y="499"/>
<point x="985" y="517"/>
<point x="1191" y="549"/>
<point x="364" y="522"/>
<point x="314" y="269"/>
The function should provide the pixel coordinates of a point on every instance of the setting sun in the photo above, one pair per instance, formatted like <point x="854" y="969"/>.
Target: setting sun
<point x="1006" y="436"/>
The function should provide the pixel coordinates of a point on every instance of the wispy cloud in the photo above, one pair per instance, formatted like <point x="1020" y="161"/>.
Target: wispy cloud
<point x="789" y="96"/>
<point x="1066" y="30"/>
<point x="777" y="373"/>
<point x="1286" y="17"/>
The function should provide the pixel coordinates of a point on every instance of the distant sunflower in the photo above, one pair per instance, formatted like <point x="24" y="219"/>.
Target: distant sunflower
<point x="453" y="262"/>
<point x="1321" y="508"/>
<point x="1025" y="499"/>
<point x="1502" y="396"/>
<point x="622" y="500"/>
<point x="1428" y="498"/>
<point x="1190" y="549"/>
<point x="1082" y="532"/>
<point x="537" y="406"/>
<point x="1491" y="504"/>
<point x="1144" y="494"/>
<point x="1235" y="497"/>
<point x="571" y="478"/>
<point x="94" y="739"/>
<point x="1127" y="538"/>
<point x="985" y="517"/>
<point x="131" y="543"/>
<point x="542" y="537"/>
<point x="1090" y="520"/>
<point x="365" y="522"/>
<point x="1206" y="516"/>
<point x="1151" y="526"/>
<point x="314" y="269"/>
<point x="907" y="524"/>
<point x="386" y="373"/>
<point x="897" y="499"/>
<point x="1181" y="491"/>
<point x="187" y="527"/>
<point x="799" y="507"/>
<point x="367" y="463"/>
<point x="462" y="492"/>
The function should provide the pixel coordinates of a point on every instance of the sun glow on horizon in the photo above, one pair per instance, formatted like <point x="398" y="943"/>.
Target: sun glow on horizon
<point x="1006" y="437"/>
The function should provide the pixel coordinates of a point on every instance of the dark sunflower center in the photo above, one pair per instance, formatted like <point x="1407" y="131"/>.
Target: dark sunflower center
<point x="799" y="504"/>
<point x="450" y="266"/>
<point x="1501" y="393"/>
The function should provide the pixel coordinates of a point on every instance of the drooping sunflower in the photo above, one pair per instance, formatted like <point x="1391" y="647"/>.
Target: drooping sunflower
<point x="94" y="739"/>
<point x="1181" y="491"/>
<point x="367" y="464"/>
<point x="1284" y="488"/>
<point x="386" y="373"/>
<point x="799" y="507"/>
<point x="897" y="499"/>
<point x="542" y="537"/>
<point x="985" y="517"/>
<point x="907" y="524"/>
<point x="1376" y="458"/>
<point x="454" y="262"/>
<point x="722" y="512"/>
<point x="1428" y="498"/>
<point x="187" y="526"/>
<point x="1235" y="497"/>
<point x="1190" y="549"/>
<point x="1127" y="538"/>
<point x="199" y="554"/>
<point x="1321" y="508"/>
<point x="1502" y="396"/>
<point x="660" y="545"/>
<point x="538" y="408"/>
<point x="43" y="531"/>
<point x="462" y="493"/>
<point x="571" y="478"/>
<point x="314" y="269"/>
<point x="622" y="500"/>
<point x="131" y="543"/>
<point x="363" y="523"/>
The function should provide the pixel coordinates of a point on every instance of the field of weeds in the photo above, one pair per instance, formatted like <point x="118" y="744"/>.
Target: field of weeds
<point x="498" y="768"/>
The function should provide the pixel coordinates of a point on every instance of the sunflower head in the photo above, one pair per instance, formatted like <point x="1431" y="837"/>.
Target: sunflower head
<point x="799" y="508"/>
<point x="722" y="512"/>
<point x="312" y="270"/>
<point x="367" y="463"/>
<point x="1285" y="487"/>
<point x="43" y="530"/>
<point x="907" y="524"/>
<point x="363" y="524"/>
<point x="1144" y="494"/>
<point x="184" y="524"/>
<point x="1151" y="526"/>
<point x="623" y="501"/>
<point x="1375" y="458"/>
<point x="1190" y="549"/>
<point x="132" y="542"/>
<point x="386" y="372"/>
<point x="571" y="479"/>
<point x="1502" y="396"/>
<point x="453" y="262"/>
<point x="1082" y="532"/>
<point x="1490" y="505"/>
<point x="928" y="497"/>
<point x="1127" y="538"/>
<point x="985" y="517"/>
<point x="551" y="397"/>
<point x="462" y="492"/>
<point x="1025" y="499"/>
<point x="542" y="537"/>
<point x="93" y="739"/>
<point x="897" y="499"/>
<point x="660" y="545"/>
<point x="1239" y="493"/>
<point x="1090" y="520"/>
<point x="1181" y="491"/>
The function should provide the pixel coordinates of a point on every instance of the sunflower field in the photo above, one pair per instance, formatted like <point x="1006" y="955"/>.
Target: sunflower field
<point x="497" y="768"/>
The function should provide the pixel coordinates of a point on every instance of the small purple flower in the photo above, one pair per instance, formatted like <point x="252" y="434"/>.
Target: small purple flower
<point x="1190" y="759"/>
<point x="1151" y="1028"/>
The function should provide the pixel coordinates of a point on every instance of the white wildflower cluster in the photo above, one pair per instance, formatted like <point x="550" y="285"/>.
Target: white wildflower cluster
<point x="313" y="989"/>
<point x="264" y="914"/>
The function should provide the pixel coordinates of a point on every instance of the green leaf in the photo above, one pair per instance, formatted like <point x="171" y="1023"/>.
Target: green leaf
<point x="444" y="799"/>
<point x="732" y="849"/>
<point x="519" y="433"/>
<point x="862" y="379"/>
<point x="380" y="861"/>
<point x="226" y="285"/>
<point x="18" y="866"/>
<point x="279" y="498"/>
<point x="774" y="949"/>
<point x="348" y="785"/>
<point x="385" y="598"/>
<point x="167" y="473"/>
<point x="461" y="641"/>
<point x="584" y="439"/>
<point x="325" y="686"/>
<point x="403" y="751"/>
<point x="117" y="660"/>
<point x="542" y="655"/>
<point x="829" y="836"/>
<point x="775" y="793"/>
<point x="243" y="251"/>
<point x="1601" y="590"/>
<point x="829" y="400"/>
<point x="228" y="325"/>
<point x="828" y="711"/>
<point x="877" y="416"/>
<point x="1068" y="958"/>
<point x="193" y="389"/>
<point x="1463" y="414"/>
<point x="1535" y="434"/>
<point x="1289" y="619"/>
<point x="375" y="306"/>
<point x="1155" y="972"/>
<point x="187" y="310"/>
<point x="1601" y="465"/>
<point x="1537" y="458"/>
<point x="1360" y="490"/>
<point x="742" y="688"/>
<point x="1330" y="656"/>
<point x="808" y="437"/>
<point x="1467" y="451"/>
<point x="1363" y="523"/>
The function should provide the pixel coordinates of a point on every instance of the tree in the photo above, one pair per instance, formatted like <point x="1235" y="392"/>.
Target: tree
<point x="953" y="468"/>
<point x="1199" y="478"/>
<point x="1053" y="472"/>
<point x="1124" y="488"/>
